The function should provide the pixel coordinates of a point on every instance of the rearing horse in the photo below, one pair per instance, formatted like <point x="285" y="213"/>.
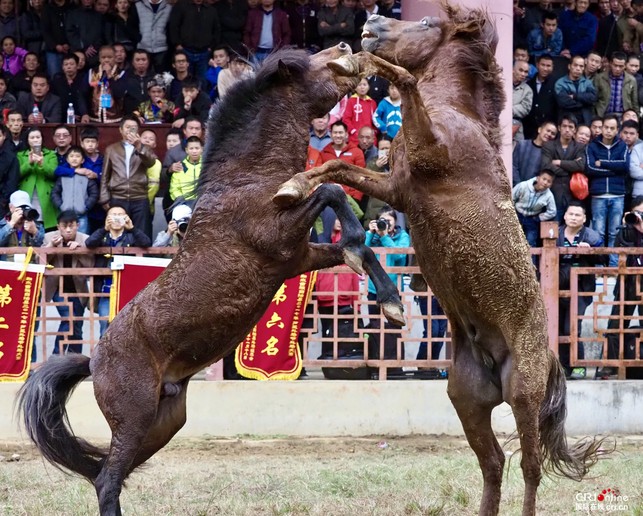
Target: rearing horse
<point x="449" y="180"/>
<point x="238" y="251"/>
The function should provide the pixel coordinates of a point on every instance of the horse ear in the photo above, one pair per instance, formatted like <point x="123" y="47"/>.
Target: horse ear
<point x="283" y="70"/>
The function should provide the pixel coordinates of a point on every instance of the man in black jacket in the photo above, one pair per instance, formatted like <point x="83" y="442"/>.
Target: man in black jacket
<point x="54" y="33"/>
<point x="544" y="106"/>
<point x="9" y="172"/>
<point x="86" y="31"/>
<point x="49" y="107"/>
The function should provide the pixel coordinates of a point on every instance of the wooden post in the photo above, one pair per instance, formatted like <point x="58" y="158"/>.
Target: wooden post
<point x="549" y="279"/>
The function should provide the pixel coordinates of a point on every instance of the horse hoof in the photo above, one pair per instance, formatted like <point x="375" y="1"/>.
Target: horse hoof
<point x="286" y="196"/>
<point x="345" y="65"/>
<point x="394" y="313"/>
<point x="354" y="261"/>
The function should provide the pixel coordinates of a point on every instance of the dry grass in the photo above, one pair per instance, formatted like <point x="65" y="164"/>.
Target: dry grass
<point x="329" y="477"/>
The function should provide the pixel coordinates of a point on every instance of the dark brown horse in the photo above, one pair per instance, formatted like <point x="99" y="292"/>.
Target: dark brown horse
<point x="449" y="180"/>
<point x="239" y="249"/>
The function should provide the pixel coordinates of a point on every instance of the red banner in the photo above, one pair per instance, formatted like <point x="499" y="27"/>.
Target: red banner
<point x="271" y="351"/>
<point x="19" y="291"/>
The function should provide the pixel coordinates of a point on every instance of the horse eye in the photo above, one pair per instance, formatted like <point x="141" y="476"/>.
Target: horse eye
<point x="425" y="22"/>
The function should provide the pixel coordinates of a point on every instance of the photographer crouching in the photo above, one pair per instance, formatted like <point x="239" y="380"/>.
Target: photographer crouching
<point x="20" y="228"/>
<point x="176" y="228"/>
<point x="630" y="234"/>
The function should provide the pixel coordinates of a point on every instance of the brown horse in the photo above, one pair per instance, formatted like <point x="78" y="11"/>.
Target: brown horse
<point x="449" y="180"/>
<point x="239" y="249"/>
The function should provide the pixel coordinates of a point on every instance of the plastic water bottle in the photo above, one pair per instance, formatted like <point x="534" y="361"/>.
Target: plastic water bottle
<point x="71" y="116"/>
<point x="35" y="111"/>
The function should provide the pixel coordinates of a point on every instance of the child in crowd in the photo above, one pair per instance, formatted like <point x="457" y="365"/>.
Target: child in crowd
<point x="359" y="111"/>
<point x="191" y="102"/>
<point x="534" y="203"/>
<point x="388" y="117"/>
<point x="173" y="138"/>
<point x="220" y="61"/>
<point x="13" y="55"/>
<point x="183" y="184"/>
<point x="77" y="193"/>
<point x="148" y="137"/>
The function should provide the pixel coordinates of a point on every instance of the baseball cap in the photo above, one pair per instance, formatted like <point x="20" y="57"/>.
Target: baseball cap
<point x="20" y="198"/>
<point x="181" y="211"/>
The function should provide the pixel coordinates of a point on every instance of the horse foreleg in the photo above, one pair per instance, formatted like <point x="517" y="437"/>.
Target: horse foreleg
<point x="474" y="396"/>
<point x="374" y="184"/>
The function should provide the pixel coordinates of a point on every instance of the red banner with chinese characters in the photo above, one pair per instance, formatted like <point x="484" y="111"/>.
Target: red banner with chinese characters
<point x="19" y="291"/>
<point x="271" y="351"/>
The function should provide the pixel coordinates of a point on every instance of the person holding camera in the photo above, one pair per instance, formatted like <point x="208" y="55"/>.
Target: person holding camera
<point x="119" y="231"/>
<point x="37" y="176"/>
<point x="20" y="228"/>
<point x="176" y="228"/>
<point x="384" y="232"/>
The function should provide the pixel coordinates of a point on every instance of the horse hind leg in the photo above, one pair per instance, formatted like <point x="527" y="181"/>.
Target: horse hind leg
<point x="474" y="396"/>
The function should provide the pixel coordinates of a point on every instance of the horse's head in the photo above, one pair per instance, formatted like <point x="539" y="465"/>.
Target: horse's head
<point x="404" y="43"/>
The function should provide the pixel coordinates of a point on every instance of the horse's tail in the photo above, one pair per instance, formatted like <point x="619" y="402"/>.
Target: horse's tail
<point x="42" y="400"/>
<point x="557" y="456"/>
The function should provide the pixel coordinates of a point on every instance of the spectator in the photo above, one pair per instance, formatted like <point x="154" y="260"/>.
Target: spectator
<point x="267" y="29"/>
<point x="528" y="153"/>
<point x="364" y="11"/>
<point x="534" y="16"/>
<point x="359" y="112"/>
<point x="12" y="55"/>
<point x="71" y="88"/>
<point x="102" y="7"/>
<point x="546" y="39"/>
<point x="37" y="167"/>
<point x="630" y="42"/>
<point x="388" y="116"/>
<point x="22" y="80"/>
<point x="575" y="94"/>
<point x="122" y="25"/>
<point x="54" y="33"/>
<point x="534" y="204"/>
<point x="157" y="109"/>
<point x="593" y="65"/>
<point x="579" y="30"/>
<point x="48" y="104"/>
<point x="632" y="66"/>
<point x="522" y="98"/>
<point x="176" y="228"/>
<point x="15" y="139"/>
<point x="85" y="31"/>
<point x="77" y="193"/>
<point x="195" y="29"/>
<point x="385" y="232"/>
<point x="30" y="24"/>
<point x="219" y="62"/>
<point x="68" y="235"/>
<point x="232" y="18"/>
<point x="366" y="142"/>
<point x="596" y="127"/>
<point x="7" y="100"/>
<point x="574" y="233"/>
<point x="131" y="88"/>
<point x="120" y="57"/>
<point x="607" y="167"/>
<point x="303" y="25"/>
<point x="238" y="70"/>
<point x="609" y="37"/>
<point x="392" y="9"/>
<point x="62" y="140"/>
<point x="19" y="228"/>
<point x="9" y="172"/>
<point x="630" y="131"/>
<point x="148" y="137"/>
<point x="563" y="157"/>
<point x="617" y="90"/>
<point x="124" y="176"/>
<point x="583" y="135"/>
<point x="544" y="106"/>
<point x="191" y="103"/>
<point x="636" y="169"/>
<point x="183" y="183"/>
<point x="319" y="133"/>
<point x="173" y="138"/>
<point x="105" y="81"/>
<point x="335" y="23"/>
<point x="380" y="163"/>
<point x="181" y="67"/>
<point x="341" y="148"/>
<point x="92" y="168"/>
<point x="8" y="20"/>
<point x="521" y="54"/>
<point x="119" y="231"/>
<point x="154" y="17"/>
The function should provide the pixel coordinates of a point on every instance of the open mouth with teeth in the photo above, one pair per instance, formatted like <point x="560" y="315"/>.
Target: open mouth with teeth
<point x="368" y="35"/>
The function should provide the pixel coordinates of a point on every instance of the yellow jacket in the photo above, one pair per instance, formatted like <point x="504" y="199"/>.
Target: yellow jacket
<point x="184" y="183"/>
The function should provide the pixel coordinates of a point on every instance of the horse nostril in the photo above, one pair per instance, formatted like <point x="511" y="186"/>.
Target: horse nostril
<point x="343" y="46"/>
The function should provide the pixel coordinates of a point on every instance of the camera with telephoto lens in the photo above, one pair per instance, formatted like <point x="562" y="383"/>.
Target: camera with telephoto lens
<point x="29" y="213"/>
<point x="633" y="217"/>
<point x="382" y="224"/>
<point x="183" y="224"/>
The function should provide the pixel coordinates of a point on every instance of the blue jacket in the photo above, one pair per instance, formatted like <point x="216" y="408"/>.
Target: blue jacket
<point x="581" y="105"/>
<point x="65" y="170"/>
<point x="526" y="161"/>
<point x="400" y="239"/>
<point x="538" y="45"/>
<point x="388" y="117"/>
<point x="609" y="178"/>
<point x="579" y="31"/>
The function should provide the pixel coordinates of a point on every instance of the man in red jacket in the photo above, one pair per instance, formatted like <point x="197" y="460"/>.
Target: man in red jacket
<point x="348" y="152"/>
<point x="267" y="29"/>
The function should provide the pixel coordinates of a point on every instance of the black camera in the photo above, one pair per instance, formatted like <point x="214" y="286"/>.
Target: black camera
<point x="29" y="213"/>
<point x="183" y="224"/>
<point x="382" y="224"/>
<point x="633" y="217"/>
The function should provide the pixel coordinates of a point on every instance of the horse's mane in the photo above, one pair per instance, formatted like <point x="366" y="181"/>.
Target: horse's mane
<point x="232" y="118"/>
<point x="477" y="30"/>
